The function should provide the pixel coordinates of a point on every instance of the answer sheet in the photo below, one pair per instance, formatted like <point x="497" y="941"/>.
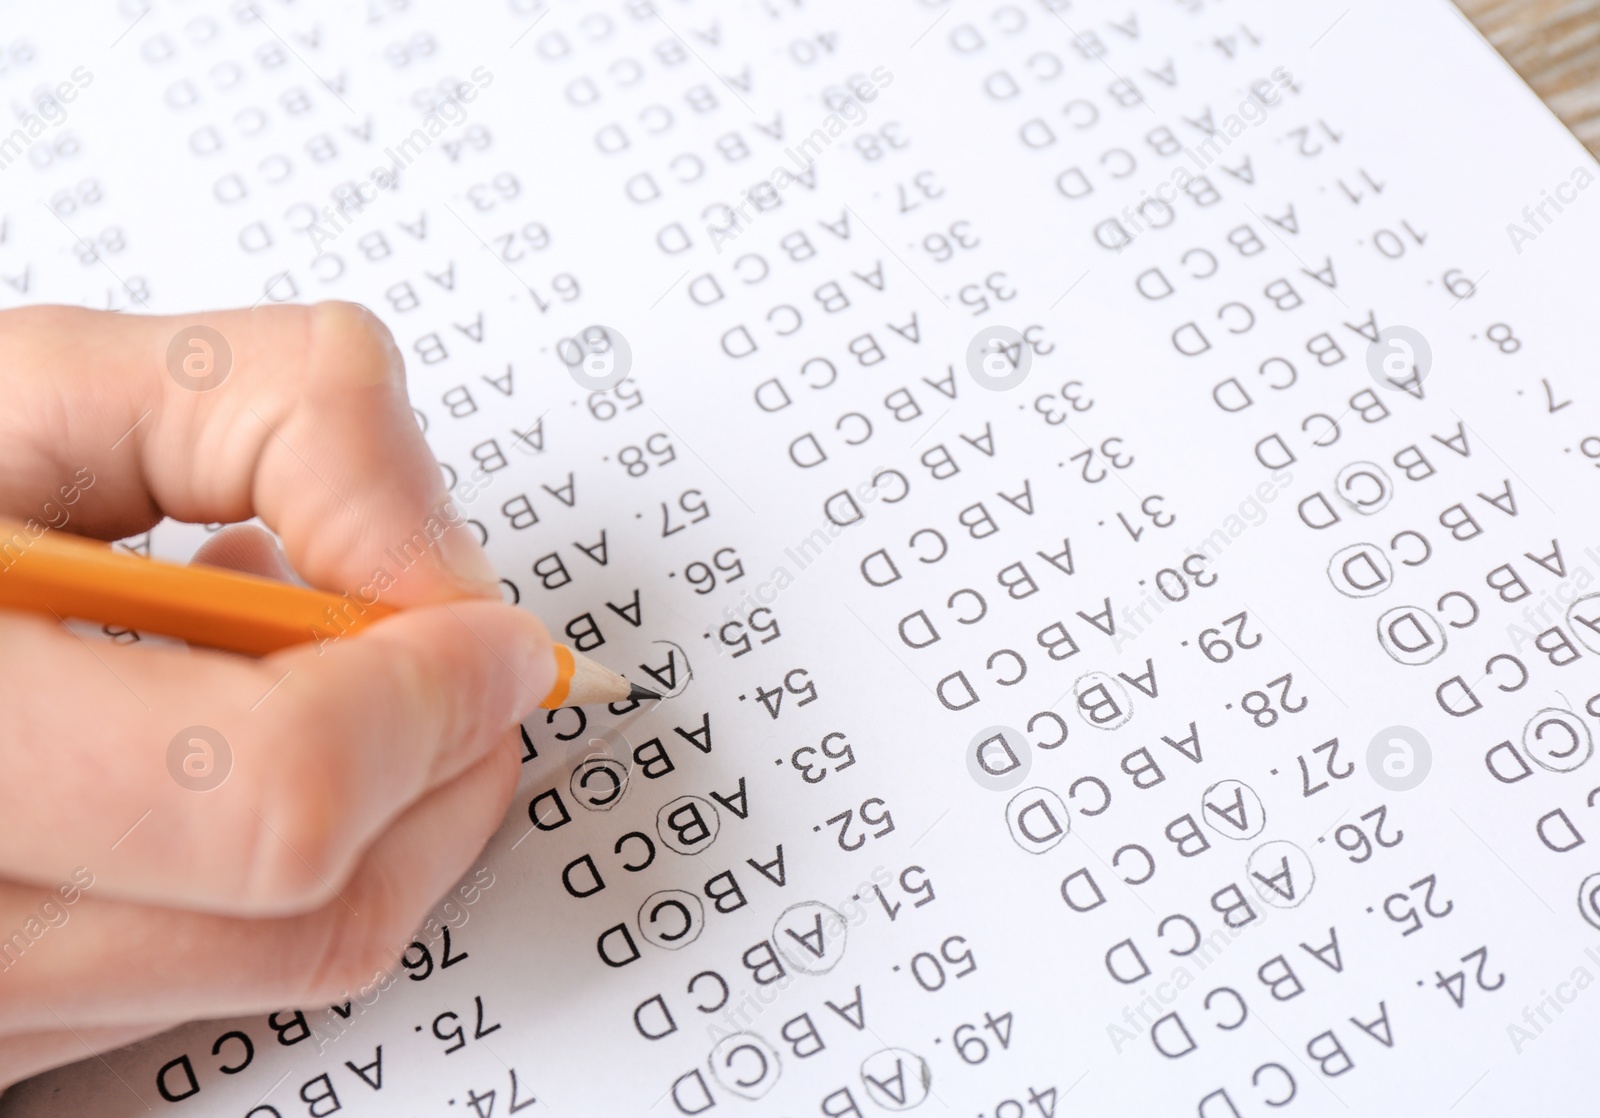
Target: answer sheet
<point x="1108" y="488"/>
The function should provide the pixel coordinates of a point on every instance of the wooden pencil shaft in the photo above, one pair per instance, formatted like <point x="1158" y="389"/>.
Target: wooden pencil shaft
<point x="67" y="576"/>
<point x="63" y="576"/>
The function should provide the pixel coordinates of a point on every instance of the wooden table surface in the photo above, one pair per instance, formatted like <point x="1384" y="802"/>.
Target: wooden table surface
<point x="1555" y="46"/>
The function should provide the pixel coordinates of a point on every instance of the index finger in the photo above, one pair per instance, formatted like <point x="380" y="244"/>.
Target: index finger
<point x="208" y="781"/>
<point x="297" y="415"/>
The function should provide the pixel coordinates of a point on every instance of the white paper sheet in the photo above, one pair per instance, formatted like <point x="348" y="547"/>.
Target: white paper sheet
<point x="1203" y="552"/>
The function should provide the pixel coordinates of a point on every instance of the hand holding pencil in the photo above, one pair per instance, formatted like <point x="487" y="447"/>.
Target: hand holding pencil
<point x="67" y="577"/>
<point x="364" y="775"/>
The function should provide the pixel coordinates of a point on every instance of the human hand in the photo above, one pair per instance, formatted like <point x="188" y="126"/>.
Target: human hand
<point x="365" y="775"/>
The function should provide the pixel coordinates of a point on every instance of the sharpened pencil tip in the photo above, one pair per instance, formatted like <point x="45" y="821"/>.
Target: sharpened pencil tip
<point x="638" y="693"/>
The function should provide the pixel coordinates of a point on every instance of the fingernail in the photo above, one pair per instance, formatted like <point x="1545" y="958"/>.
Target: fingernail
<point x="534" y="679"/>
<point x="522" y="652"/>
<point x="461" y="556"/>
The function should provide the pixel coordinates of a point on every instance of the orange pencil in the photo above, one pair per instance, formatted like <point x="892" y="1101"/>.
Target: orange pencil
<point x="53" y="572"/>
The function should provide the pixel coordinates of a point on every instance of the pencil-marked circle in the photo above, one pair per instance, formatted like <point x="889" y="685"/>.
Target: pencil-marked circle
<point x="1360" y="570"/>
<point x="1411" y="635"/>
<point x="1589" y="899"/>
<point x="1364" y="487"/>
<point x="688" y="824"/>
<point x="1037" y="819"/>
<point x="744" y="1064"/>
<point x="671" y="919"/>
<point x="811" y="937"/>
<point x="1583" y="620"/>
<point x="1281" y="873"/>
<point x="1233" y="809"/>
<point x="1102" y="701"/>
<point x="677" y="671"/>
<point x="896" y="1079"/>
<point x="1557" y="740"/>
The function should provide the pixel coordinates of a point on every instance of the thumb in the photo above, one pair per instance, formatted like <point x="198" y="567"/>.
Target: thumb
<point x="424" y="694"/>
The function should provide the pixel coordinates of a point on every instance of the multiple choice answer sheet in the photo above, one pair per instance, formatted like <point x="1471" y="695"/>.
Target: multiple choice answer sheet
<point x="1107" y="488"/>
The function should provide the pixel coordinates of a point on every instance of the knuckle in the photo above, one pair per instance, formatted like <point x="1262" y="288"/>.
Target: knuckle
<point x="350" y="329"/>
